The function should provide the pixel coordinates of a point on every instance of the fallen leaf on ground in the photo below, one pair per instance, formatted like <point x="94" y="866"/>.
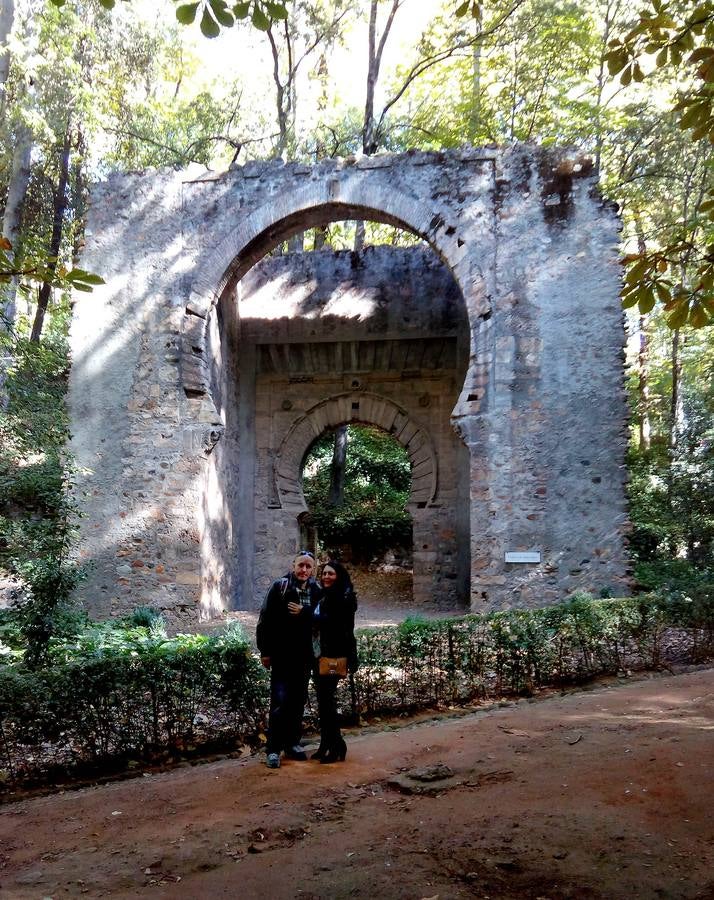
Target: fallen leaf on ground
<point x="515" y="731"/>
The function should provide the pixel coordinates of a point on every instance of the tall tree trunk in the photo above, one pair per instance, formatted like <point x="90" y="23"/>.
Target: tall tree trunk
<point x="475" y="111"/>
<point x="7" y="16"/>
<point x="320" y="232"/>
<point x="611" y="11"/>
<point x="320" y="235"/>
<point x="60" y="206"/>
<point x="282" y="92"/>
<point x="643" y="355"/>
<point x="79" y="189"/>
<point x="372" y="75"/>
<point x="674" y="420"/>
<point x="675" y="398"/>
<point x="514" y="88"/>
<point x="643" y="385"/>
<point x="337" y="470"/>
<point x="12" y="220"/>
<point x="370" y="139"/>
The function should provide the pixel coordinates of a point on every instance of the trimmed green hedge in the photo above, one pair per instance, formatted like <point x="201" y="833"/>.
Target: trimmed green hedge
<point x="115" y="697"/>
<point x="141" y="697"/>
<point x="426" y="663"/>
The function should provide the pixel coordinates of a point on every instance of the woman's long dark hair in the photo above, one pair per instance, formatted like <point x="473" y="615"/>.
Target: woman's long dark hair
<point x="343" y="585"/>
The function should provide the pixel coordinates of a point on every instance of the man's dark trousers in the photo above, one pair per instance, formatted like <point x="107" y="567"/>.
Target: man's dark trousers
<point x="288" y="695"/>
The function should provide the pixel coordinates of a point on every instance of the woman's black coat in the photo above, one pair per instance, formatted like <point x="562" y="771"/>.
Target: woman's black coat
<point x="336" y="623"/>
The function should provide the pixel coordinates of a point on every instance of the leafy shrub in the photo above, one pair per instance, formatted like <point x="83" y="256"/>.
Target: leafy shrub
<point x="147" y="617"/>
<point x="114" y="694"/>
<point x="425" y="663"/>
<point x="117" y="692"/>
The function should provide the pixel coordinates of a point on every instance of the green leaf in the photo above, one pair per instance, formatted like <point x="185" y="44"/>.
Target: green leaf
<point x="700" y="54"/>
<point x="221" y="13"/>
<point x="241" y="10"/>
<point x="646" y="303"/>
<point x="693" y="116"/>
<point x="83" y="275"/>
<point x="260" y="20"/>
<point x="706" y="70"/>
<point x="697" y="316"/>
<point x="700" y="13"/>
<point x="637" y="271"/>
<point x="209" y="27"/>
<point x="107" y="4"/>
<point x="706" y="278"/>
<point x="276" y="10"/>
<point x="186" y="14"/>
<point x="679" y="316"/>
<point x="616" y="60"/>
<point x="58" y="2"/>
<point x="700" y="132"/>
<point x="462" y="10"/>
<point x="661" y="59"/>
<point x="663" y="292"/>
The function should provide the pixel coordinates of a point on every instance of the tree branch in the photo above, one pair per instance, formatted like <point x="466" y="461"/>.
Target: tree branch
<point x="440" y="56"/>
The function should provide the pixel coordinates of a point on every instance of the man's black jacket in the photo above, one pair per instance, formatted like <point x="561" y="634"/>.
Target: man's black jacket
<point x="287" y="638"/>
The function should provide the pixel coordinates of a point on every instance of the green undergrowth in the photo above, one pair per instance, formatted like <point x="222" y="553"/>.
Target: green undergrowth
<point x="122" y="694"/>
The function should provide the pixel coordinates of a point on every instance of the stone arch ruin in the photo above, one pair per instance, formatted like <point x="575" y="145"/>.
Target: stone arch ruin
<point x="196" y="361"/>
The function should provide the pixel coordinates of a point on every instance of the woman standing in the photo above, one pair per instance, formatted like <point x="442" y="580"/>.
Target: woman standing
<point x="335" y="621"/>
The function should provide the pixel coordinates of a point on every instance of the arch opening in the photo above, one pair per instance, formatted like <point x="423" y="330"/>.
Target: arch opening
<point x="304" y="341"/>
<point x="357" y="481"/>
<point x="254" y="242"/>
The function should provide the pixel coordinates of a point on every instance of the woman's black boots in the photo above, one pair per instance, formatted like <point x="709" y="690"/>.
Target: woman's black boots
<point x="336" y="753"/>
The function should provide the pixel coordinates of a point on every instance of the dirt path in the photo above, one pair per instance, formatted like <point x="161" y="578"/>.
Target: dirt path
<point x="606" y="793"/>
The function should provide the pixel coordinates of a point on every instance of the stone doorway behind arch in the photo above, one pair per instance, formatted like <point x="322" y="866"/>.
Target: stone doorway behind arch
<point x="382" y="344"/>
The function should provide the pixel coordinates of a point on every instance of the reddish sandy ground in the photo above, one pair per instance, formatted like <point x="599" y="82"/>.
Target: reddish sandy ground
<point x="606" y="793"/>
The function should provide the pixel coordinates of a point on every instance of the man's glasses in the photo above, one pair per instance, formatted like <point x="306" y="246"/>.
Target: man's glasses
<point x="305" y="553"/>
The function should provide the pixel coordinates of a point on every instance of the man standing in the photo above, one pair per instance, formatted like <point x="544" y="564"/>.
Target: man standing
<point x="284" y="638"/>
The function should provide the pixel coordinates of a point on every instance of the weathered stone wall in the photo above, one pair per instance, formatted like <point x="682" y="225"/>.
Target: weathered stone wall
<point x="159" y="385"/>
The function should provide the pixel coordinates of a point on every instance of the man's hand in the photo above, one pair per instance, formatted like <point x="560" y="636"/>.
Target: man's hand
<point x="265" y="661"/>
<point x="294" y="608"/>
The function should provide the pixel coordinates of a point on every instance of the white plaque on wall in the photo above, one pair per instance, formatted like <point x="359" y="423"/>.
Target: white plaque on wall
<point x="522" y="556"/>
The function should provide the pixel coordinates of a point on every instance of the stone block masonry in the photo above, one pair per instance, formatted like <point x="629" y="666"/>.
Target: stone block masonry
<point x="201" y="375"/>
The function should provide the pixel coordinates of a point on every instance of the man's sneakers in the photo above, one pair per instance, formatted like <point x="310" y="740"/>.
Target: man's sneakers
<point x="296" y="753"/>
<point x="272" y="760"/>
